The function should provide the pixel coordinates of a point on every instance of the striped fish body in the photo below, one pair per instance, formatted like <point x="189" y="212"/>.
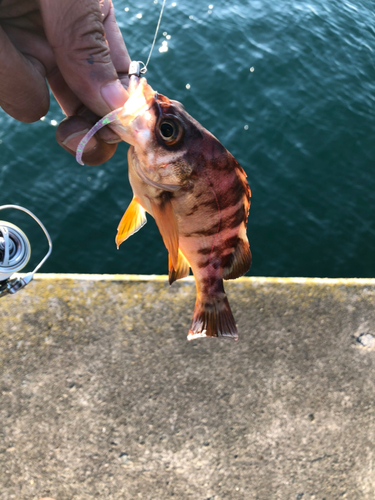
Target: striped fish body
<point x="212" y="219"/>
<point x="198" y="195"/>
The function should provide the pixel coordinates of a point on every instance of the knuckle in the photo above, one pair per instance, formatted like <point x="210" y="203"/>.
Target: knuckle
<point x="86" y="39"/>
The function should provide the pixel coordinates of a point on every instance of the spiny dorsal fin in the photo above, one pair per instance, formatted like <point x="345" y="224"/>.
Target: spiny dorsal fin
<point x="165" y="219"/>
<point x="133" y="219"/>
<point x="182" y="269"/>
<point x="241" y="261"/>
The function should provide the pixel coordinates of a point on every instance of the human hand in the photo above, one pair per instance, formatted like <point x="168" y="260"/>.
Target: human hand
<point x="77" y="46"/>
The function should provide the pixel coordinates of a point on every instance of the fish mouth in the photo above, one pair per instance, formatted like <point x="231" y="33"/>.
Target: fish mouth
<point x="141" y="98"/>
<point x="134" y="119"/>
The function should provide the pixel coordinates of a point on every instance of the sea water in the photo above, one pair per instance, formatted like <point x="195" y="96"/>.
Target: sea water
<point x="287" y="86"/>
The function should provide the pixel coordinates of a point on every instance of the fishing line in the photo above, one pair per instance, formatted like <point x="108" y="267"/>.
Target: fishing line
<point x="144" y="69"/>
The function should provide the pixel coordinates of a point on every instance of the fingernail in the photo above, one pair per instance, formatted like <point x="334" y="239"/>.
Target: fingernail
<point x="107" y="135"/>
<point x="73" y="140"/>
<point x="113" y="141"/>
<point x="114" y="94"/>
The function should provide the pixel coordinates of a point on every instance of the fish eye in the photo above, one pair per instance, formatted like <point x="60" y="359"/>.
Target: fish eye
<point x="166" y="130"/>
<point x="170" y="131"/>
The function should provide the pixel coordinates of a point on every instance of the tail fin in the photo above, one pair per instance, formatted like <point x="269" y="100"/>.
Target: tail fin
<point x="213" y="318"/>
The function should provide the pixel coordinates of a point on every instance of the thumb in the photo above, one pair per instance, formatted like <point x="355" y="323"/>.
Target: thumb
<point x="75" y="31"/>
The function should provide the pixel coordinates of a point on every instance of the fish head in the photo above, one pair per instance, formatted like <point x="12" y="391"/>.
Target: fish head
<point x="162" y="134"/>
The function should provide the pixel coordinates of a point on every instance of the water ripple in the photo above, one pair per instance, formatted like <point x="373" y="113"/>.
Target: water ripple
<point x="308" y="148"/>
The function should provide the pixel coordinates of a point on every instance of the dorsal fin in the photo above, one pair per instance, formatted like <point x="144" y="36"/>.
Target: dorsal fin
<point x="133" y="219"/>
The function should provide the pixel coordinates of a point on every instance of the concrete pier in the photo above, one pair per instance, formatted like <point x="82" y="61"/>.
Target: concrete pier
<point x="101" y="395"/>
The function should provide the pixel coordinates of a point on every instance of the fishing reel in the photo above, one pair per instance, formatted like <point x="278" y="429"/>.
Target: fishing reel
<point x="15" y="251"/>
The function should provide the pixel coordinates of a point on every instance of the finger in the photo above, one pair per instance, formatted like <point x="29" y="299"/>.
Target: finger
<point x="64" y="95"/>
<point x="76" y="34"/>
<point x="119" y="53"/>
<point x="71" y="105"/>
<point x="24" y="93"/>
<point x="68" y="100"/>
<point x="71" y="131"/>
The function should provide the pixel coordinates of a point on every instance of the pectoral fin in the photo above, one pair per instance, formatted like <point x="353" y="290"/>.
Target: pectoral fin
<point x="133" y="219"/>
<point x="182" y="269"/>
<point x="165" y="219"/>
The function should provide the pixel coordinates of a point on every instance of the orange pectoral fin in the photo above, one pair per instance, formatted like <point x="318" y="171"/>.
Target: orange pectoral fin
<point x="182" y="269"/>
<point x="133" y="219"/>
<point x="165" y="219"/>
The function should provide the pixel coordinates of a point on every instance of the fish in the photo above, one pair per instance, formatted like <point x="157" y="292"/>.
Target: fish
<point x="197" y="193"/>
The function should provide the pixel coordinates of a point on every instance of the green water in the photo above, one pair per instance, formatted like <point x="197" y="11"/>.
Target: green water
<point x="301" y="123"/>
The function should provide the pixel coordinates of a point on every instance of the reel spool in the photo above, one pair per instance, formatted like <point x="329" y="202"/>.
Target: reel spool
<point x="15" y="251"/>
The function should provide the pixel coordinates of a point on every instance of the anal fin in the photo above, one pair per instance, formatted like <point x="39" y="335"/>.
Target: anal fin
<point x="133" y="219"/>
<point x="240" y="262"/>
<point x="182" y="269"/>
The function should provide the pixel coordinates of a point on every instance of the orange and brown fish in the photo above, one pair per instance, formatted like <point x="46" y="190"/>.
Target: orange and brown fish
<point x="197" y="193"/>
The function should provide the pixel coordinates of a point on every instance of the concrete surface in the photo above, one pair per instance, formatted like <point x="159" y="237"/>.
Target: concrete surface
<point x="101" y="396"/>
